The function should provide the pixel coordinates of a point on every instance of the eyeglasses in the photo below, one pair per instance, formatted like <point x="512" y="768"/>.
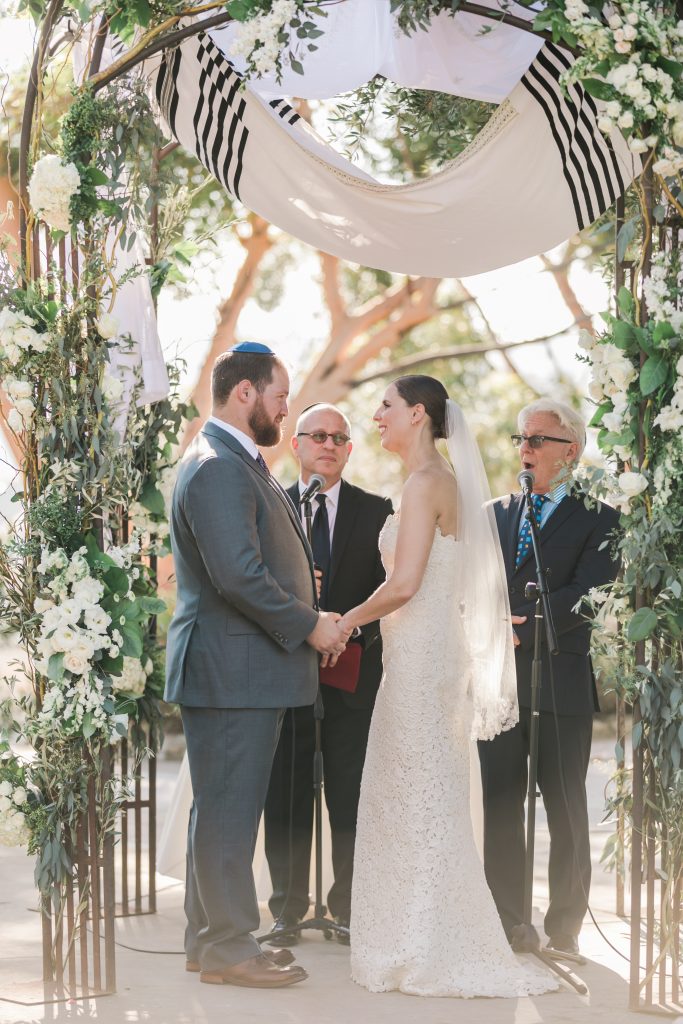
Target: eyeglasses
<point x="536" y="440"/>
<point x="319" y="437"/>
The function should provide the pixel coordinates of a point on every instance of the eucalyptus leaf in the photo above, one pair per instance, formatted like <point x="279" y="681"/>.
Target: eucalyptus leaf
<point x="641" y="625"/>
<point x="653" y="373"/>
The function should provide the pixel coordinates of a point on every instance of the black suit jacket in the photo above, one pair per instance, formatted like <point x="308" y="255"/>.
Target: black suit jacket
<point x="356" y="571"/>
<point x="574" y="549"/>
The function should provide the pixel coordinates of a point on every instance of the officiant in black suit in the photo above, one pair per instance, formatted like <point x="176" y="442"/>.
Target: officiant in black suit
<point x="346" y="525"/>
<point x="574" y="542"/>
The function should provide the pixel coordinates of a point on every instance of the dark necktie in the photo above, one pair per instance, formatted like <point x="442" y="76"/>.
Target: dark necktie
<point x="263" y="464"/>
<point x="320" y="542"/>
<point x="524" y="542"/>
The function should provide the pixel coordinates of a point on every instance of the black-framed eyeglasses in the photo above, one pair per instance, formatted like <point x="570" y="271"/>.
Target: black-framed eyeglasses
<point x="536" y="440"/>
<point x="320" y="436"/>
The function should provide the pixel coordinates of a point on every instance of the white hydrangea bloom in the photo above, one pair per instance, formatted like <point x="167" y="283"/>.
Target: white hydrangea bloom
<point x="50" y="189"/>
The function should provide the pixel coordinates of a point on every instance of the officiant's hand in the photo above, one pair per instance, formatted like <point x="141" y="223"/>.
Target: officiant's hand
<point x="517" y="620"/>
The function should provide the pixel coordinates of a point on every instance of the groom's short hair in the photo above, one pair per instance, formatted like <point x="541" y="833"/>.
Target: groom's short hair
<point x="232" y="367"/>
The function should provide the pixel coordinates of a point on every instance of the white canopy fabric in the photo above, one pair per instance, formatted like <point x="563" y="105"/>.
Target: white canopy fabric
<point x="466" y="55"/>
<point x="538" y="171"/>
<point x="141" y="359"/>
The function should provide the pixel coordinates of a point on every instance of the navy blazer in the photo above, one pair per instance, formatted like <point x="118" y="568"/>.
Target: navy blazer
<point x="574" y="548"/>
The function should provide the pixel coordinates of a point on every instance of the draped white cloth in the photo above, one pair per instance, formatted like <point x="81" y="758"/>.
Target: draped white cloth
<point x="538" y="171"/>
<point x="133" y="305"/>
<point x="361" y="39"/>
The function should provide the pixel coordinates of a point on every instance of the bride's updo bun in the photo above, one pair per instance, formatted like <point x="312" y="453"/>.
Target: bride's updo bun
<point x="419" y="389"/>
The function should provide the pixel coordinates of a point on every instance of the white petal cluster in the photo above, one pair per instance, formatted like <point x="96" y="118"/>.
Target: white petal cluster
<point x="14" y="829"/>
<point x="647" y="96"/>
<point x="50" y="189"/>
<point x="670" y="417"/>
<point x="613" y="373"/>
<point x="258" y="39"/>
<point x="133" y="679"/>
<point x="661" y="294"/>
<point x="75" y="627"/>
<point x="107" y="326"/>
<point x="18" y="338"/>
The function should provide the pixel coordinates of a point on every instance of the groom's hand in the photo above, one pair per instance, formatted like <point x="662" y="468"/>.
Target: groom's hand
<point x="517" y="620"/>
<point x="327" y="637"/>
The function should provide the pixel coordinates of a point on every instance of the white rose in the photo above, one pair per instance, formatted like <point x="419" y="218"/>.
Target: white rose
<point x="612" y="421"/>
<point x="614" y="21"/>
<point x="88" y="591"/>
<point x="595" y="391"/>
<point x="107" y="326"/>
<point x="625" y="120"/>
<point x="632" y="18"/>
<point x="632" y="483"/>
<point x="648" y="73"/>
<point x="5" y="804"/>
<point x="5" y="788"/>
<point x="637" y="145"/>
<point x="622" y="374"/>
<point x="629" y="32"/>
<point x="112" y="389"/>
<point x="97" y="619"/>
<point x="633" y="87"/>
<point x="64" y="638"/>
<point x="19" y="796"/>
<point x="678" y="133"/>
<point x="605" y="124"/>
<point x="622" y="46"/>
<point x="75" y="663"/>
<point x="613" y="109"/>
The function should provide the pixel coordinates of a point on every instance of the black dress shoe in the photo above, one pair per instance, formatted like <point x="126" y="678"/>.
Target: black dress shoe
<point x="564" y="944"/>
<point x="279" y="935"/>
<point x="342" y="937"/>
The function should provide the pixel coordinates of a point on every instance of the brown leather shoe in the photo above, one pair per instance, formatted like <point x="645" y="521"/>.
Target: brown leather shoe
<point x="280" y="957"/>
<point x="256" y="972"/>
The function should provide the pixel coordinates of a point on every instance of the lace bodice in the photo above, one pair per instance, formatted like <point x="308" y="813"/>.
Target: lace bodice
<point x="423" y="919"/>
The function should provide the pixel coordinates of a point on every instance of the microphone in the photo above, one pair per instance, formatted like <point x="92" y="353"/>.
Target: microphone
<point x="526" y="481"/>
<point x="315" y="484"/>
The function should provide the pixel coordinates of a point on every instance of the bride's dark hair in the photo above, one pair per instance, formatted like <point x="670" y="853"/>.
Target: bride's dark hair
<point x="419" y="389"/>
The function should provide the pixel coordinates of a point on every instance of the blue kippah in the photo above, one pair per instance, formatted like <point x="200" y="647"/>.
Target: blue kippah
<point x="255" y="347"/>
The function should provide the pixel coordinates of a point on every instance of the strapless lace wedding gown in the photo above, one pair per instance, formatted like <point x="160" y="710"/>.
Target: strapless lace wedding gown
<point x="422" y="918"/>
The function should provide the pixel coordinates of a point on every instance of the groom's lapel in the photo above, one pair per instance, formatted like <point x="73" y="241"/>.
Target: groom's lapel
<point x="233" y="444"/>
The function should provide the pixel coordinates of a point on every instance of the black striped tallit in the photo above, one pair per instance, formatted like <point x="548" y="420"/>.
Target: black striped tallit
<point x="589" y="164"/>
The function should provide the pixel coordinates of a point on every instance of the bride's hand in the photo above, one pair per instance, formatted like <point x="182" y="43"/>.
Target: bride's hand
<point x="517" y="620"/>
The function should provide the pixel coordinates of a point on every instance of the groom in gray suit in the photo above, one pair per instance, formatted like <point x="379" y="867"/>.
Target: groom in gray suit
<point x="241" y="648"/>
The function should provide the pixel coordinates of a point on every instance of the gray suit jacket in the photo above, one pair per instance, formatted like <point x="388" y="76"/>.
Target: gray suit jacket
<point x="245" y="585"/>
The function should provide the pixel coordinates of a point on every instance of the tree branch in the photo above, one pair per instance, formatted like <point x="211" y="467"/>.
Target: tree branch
<point x="461" y="352"/>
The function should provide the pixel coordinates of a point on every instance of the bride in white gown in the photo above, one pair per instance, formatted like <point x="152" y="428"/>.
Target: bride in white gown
<point x="423" y="920"/>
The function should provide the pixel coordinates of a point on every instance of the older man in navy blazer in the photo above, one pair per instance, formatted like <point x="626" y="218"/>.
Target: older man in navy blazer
<point x="575" y="541"/>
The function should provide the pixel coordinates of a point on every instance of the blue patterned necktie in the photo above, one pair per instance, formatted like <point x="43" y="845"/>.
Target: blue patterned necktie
<point x="524" y="542"/>
<point x="263" y="464"/>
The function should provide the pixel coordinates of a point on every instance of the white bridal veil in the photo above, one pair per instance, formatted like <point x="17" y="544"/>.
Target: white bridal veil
<point x="483" y="593"/>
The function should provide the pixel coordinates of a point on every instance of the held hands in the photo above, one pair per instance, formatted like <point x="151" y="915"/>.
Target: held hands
<point x="517" y="620"/>
<point x="328" y="638"/>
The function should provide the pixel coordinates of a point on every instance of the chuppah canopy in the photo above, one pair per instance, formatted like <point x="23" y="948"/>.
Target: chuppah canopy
<point x="538" y="171"/>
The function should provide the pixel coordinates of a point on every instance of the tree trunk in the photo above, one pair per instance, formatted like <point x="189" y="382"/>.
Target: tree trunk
<point x="256" y="245"/>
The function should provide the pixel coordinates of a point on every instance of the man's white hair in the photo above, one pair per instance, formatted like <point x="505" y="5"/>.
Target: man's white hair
<point x="321" y="407"/>
<point x="567" y="418"/>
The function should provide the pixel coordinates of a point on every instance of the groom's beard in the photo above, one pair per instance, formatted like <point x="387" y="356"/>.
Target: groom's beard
<point x="267" y="432"/>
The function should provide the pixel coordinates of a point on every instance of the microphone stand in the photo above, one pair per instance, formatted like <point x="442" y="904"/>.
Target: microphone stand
<point x="525" y="938"/>
<point x="319" y="921"/>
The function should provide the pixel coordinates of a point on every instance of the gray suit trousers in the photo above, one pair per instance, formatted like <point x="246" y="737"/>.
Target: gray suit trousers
<point x="230" y="753"/>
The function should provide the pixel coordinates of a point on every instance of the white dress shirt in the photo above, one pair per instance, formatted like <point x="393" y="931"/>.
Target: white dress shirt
<point x="244" y="439"/>
<point x="332" y="504"/>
